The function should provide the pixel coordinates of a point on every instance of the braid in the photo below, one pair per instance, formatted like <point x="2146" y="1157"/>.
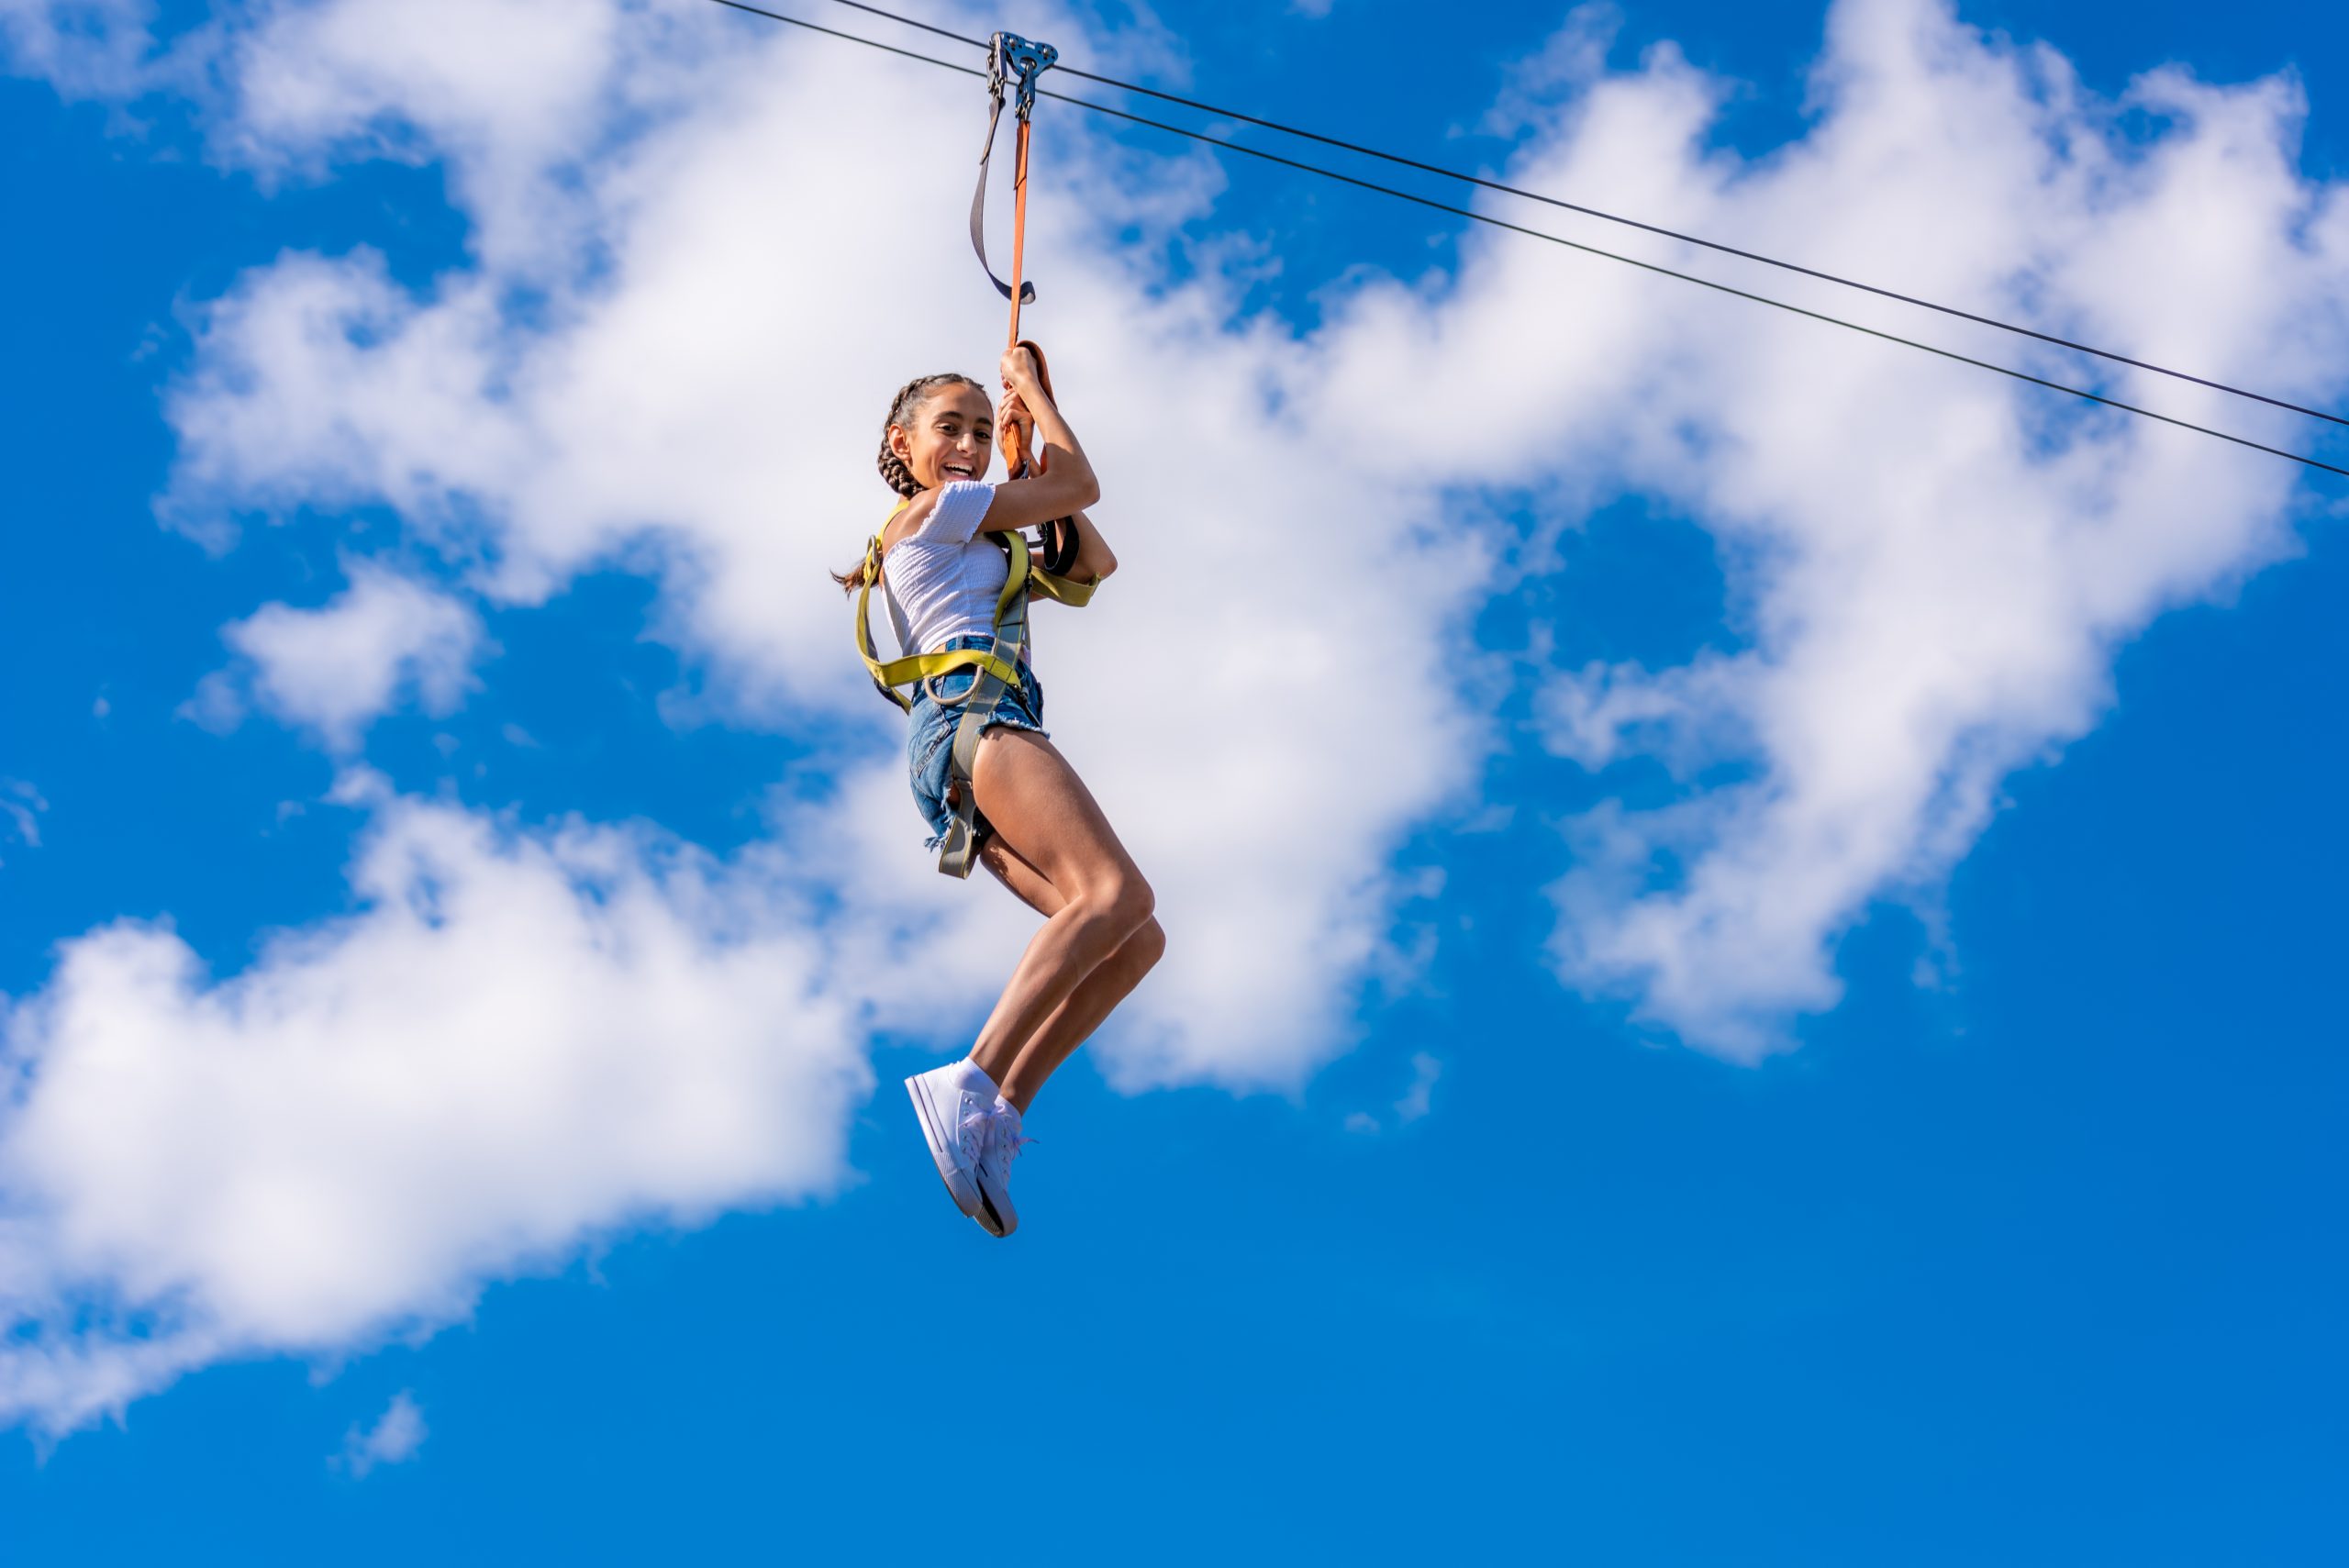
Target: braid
<point x="895" y="475"/>
<point x="894" y="472"/>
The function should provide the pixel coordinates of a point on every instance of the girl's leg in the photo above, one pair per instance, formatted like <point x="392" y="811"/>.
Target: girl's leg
<point x="1074" y="1021"/>
<point x="1037" y="804"/>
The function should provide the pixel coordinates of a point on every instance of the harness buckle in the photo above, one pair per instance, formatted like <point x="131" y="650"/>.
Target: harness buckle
<point x="1008" y="52"/>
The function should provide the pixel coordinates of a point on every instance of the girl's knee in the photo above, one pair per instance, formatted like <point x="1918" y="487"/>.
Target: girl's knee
<point x="1127" y="900"/>
<point x="1147" y="945"/>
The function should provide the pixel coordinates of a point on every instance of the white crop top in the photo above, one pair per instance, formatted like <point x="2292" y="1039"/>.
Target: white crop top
<point x="941" y="581"/>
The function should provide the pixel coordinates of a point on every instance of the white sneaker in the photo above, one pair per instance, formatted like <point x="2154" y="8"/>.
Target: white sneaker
<point x="954" y="1119"/>
<point x="999" y="1144"/>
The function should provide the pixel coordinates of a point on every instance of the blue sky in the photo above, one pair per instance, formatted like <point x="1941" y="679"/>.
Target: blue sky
<point x="2021" y="1246"/>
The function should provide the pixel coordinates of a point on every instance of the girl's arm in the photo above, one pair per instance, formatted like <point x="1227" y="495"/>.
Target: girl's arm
<point x="1093" y="559"/>
<point x="1066" y="485"/>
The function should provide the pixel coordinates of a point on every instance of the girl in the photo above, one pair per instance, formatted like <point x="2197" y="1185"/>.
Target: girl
<point x="1040" y="832"/>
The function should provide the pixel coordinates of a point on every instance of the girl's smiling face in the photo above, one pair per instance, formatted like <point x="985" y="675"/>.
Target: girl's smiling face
<point x="949" y="436"/>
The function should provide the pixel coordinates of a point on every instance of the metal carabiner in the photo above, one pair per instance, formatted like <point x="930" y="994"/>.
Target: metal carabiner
<point x="1008" y="52"/>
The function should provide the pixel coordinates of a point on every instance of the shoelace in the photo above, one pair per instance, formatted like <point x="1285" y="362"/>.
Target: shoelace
<point x="972" y="1132"/>
<point x="1009" y="1138"/>
<point x="989" y="1133"/>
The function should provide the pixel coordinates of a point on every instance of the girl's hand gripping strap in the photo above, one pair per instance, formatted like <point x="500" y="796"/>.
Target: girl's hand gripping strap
<point x="1021" y="458"/>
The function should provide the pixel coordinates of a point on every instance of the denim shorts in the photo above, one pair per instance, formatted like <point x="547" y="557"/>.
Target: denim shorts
<point x="930" y="741"/>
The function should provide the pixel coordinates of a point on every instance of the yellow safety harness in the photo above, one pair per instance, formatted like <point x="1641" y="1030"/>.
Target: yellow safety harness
<point x="997" y="667"/>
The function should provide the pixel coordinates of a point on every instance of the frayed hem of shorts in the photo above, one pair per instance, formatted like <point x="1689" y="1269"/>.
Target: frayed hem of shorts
<point x="1017" y="724"/>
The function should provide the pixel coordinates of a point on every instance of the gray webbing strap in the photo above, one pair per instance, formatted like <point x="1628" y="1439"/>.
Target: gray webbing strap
<point x="979" y="212"/>
<point x="960" y="853"/>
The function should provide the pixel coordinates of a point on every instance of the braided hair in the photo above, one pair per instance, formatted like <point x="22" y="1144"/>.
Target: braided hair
<point x="894" y="472"/>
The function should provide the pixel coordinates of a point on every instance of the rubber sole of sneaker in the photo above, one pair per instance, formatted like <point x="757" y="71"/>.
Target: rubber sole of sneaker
<point x="967" y="1195"/>
<point x="989" y="1220"/>
<point x="1005" y="1219"/>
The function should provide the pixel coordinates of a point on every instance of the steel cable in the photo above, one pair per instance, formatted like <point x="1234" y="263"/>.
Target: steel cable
<point x="1476" y="216"/>
<point x="1606" y="216"/>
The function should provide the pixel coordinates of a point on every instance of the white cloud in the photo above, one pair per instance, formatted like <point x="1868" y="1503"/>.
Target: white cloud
<point x="86" y="47"/>
<point x="1935" y="566"/>
<point x="1535" y="91"/>
<point x="520" y="1038"/>
<point x="397" y="1433"/>
<point x="21" y="804"/>
<point x="336" y="670"/>
<point x="1688" y="716"/>
<point x="1417" y="1099"/>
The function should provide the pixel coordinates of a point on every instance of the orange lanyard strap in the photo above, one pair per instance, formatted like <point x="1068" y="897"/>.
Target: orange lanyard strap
<point x="1008" y="53"/>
